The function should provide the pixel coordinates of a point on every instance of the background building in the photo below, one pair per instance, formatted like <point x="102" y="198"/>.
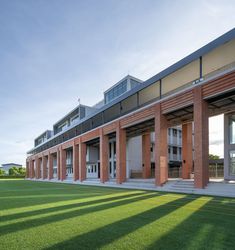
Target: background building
<point x="7" y="166"/>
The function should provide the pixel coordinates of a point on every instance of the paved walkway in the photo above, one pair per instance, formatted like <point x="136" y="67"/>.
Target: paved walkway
<point x="215" y="187"/>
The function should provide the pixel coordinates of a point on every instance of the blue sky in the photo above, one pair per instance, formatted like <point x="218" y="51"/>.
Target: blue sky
<point x="54" y="52"/>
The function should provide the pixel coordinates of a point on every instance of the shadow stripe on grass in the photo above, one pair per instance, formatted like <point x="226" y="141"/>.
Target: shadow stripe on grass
<point x="102" y="236"/>
<point x="64" y="207"/>
<point x="7" y="229"/>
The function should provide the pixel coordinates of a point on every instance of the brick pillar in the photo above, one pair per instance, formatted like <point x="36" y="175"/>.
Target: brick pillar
<point x="104" y="157"/>
<point x="37" y="167"/>
<point x="187" y="150"/>
<point x="50" y="166"/>
<point x="58" y="163"/>
<point x="120" y="154"/>
<point x="27" y="169"/>
<point x="44" y="167"/>
<point x="62" y="164"/>
<point x="34" y="169"/>
<point x="201" y="140"/>
<point x="75" y="162"/>
<point x="161" y="147"/>
<point x="30" y="169"/>
<point x="82" y="161"/>
<point x="146" y="155"/>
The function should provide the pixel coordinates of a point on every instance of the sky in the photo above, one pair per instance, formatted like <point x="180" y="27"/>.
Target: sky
<point x="54" y="52"/>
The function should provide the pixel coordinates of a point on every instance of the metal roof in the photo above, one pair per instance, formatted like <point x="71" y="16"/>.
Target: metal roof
<point x="9" y="164"/>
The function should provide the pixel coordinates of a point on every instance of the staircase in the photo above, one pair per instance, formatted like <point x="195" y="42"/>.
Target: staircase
<point x="182" y="186"/>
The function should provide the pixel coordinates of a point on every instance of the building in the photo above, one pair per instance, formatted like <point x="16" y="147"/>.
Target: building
<point x="141" y="129"/>
<point x="7" y="166"/>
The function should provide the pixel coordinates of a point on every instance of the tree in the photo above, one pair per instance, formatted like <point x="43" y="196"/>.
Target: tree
<point x="13" y="171"/>
<point x="22" y="171"/>
<point x="213" y="157"/>
<point x="2" y="172"/>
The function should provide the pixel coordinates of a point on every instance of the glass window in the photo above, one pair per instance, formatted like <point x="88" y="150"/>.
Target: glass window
<point x="232" y="129"/>
<point x="175" y="150"/>
<point x="110" y="148"/>
<point x="232" y="162"/>
<point x="134" y="83"/>
<point x="174" y="132"/>
<point x="110" y="167"/>
<point x="114" y="169"/>
<point x="169" y="150"/>
<point x="180" y="134"/>
<point x="114" y="148"/>
<point x="169" y="131"/>
<point x="116" y="91"/>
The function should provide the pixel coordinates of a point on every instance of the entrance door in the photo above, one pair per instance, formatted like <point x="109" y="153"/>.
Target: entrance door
<point x="112" y="159"/>
<point x="92" y="170"/>
<point x="55" y="167"/>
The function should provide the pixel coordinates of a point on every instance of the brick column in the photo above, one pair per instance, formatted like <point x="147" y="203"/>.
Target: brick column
<point x="62" y="164"/>
<point x="161" y="147"/>
<point x="44" y="167"/>
<point x="30" y="169"/>
<point x="50" y="166"/>
<point x="146" y="155"/>
<point x="187" y="150"/>
<point x="37" y="167"/>
<point x="120" y="154"/>
<point x="104" y="157"/>
<point x="201" y="140"/>
<point x="27" y="169"/>
<point x="58" y="164"/>
<point x="82" y="161"/>
<point x="34" y="169"/>
<point x="75" y="162"/>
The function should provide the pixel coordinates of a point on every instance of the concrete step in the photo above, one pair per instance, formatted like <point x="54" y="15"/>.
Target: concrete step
<point x="182" y="186"/>
<point x="139" y="183"/>
<point x="150" y="180"/>
<point x="183" y="183"/>
<point x="181" y="190"/>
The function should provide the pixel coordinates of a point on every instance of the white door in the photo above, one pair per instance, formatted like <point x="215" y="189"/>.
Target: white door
<point x="112" y="159"/>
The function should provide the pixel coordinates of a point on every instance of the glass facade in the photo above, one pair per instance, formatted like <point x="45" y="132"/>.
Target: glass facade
<point x="116" y="91"/>
<point x="134" y="83"/>
<point x="232" y="129"/>
<point x="232" y="162"/>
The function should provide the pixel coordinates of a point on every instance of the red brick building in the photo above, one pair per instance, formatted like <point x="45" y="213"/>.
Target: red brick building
<point x="197" y="87"/>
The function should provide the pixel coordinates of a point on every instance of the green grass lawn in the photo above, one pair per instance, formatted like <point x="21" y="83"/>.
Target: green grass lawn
<point x="36" y="215"/>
